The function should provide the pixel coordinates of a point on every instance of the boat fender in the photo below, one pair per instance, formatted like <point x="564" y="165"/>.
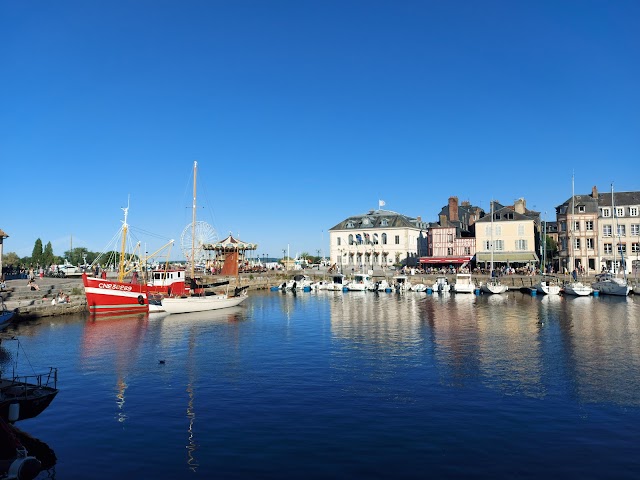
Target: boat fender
<point x="24" y="468"/>
<point x="140" y="299"/>
<point x="14" y="412"/>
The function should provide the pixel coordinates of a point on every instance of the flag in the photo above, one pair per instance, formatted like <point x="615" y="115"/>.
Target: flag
<point x="381" y="203"/>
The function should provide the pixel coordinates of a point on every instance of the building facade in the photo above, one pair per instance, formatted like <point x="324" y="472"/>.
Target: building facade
<point x="513" y="236"/>
<point x="578" y="245"/>
<point x="451" y="240"/>
<point x="377" y="239"/>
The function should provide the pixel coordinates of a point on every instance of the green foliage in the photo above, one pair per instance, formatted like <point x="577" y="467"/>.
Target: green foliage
<point x="10" y="258"/>
<point x="37" y="255"/>
<point x="48" y="257"/>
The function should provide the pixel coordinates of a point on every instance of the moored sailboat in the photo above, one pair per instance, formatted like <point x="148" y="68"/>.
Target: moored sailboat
<point x="493" y="284"/>
<point x="199" y="300"/>
<point x="574" y="287"/>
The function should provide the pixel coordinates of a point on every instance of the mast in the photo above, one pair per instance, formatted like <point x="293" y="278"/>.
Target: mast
<point x="125" y="228"/>
<point x="491" y="268"/>
<point x="193" y="222"/>
<point x="573" y="210"/>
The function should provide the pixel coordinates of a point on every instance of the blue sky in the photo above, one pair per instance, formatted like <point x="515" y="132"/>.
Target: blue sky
<point x="302" y="113"/>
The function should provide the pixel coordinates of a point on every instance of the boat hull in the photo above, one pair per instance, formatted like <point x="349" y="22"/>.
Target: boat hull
<point x="494" y="288"/>
<point x="577" y="289"/>
<point x="106" y="297"/>
<point x="200" y="304"/>
<point x="610" y="288"/>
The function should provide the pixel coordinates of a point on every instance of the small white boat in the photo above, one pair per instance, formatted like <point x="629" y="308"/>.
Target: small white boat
<point x="548" y="285"/>
<point x="418" y="287"/>
<point x="381" y="286"/>
<point x="297" y="283"/>
<point x="337" y="283"/>
<point x="493" y="286"/>
<point x="201" y="303"/>
<point x="608" y="284"/>
<point x="441" y="284"/>
<point x="360" y="283"/>
<point x="464" y="283"/>
<point x="578" y="289"/>
<point x="401" y="283"/>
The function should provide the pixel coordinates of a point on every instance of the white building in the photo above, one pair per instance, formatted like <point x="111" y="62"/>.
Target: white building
<point x="377" y="239"/>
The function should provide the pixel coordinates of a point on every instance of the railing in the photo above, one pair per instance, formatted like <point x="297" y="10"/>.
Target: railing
<point x="25" y="382"/>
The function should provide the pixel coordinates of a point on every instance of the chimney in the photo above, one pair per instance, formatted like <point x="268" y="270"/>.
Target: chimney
<point x="520" y="206"/>
<point x="419" y="219"/>
<point x="594" y="192"/>
<point x="453" y="209"/>
<point x="443" y="220"/>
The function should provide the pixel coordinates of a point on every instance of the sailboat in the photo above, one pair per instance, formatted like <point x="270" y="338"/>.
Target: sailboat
<point x="198" y="301"/>
<point x="575" y="287"/>
<point x="608" y="283"/>
<point x="493" y="284"/>
<point x="548" y="284"/>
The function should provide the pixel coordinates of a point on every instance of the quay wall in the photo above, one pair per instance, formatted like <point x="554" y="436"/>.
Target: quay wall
<point x="34" y="304"/>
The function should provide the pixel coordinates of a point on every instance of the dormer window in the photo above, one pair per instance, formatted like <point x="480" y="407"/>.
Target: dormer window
<point x="350" y="224"/>
<point x="384" y="222"/>
<point x="605" y="212"/>
<point x="581" y="209"/>
<point x="365" y="221"/>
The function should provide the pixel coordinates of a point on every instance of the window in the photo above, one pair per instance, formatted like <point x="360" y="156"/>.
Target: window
<point x="384" y="222"/>
<point x="622" y="248"/>
<point x="450" y="238"/>
<point x="339" y="243"/>
<point x="619" y="211"/>
<point x="605" y="212"/>
<point x="449" y="250"/>
<point x="588" y="225"/>
<point x="520" y="229"/>
<point x="633" y="211"/>
<point x="576" y="226"/>
<point x="384" y="238"/>
<point x="590" y="243"/>
<point x="635" y="230"/>
<point x="375" y="239"/>
<point x="467" y="250"/>
<point x="576" y="243"/>
<point x="521" y="244"/>
<point x="563" y="226"/>
<point x="608" y="248"/>
<point x="350" y="224"/>
<point x="622" y="230"/>
<point x="581" y="209"/>
<point x="498" y="230"/>
<point x="606" y="230"/>
<point x="350" y="239"/>
<point x="397" y="239"/>
<point x="499" y="245"/>
<point x="635" y="248"/>
<point x="487" y="245"/>
<point x="359" y="239"/>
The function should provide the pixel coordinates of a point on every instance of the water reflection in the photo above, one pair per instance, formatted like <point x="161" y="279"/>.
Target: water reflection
<point x="116" y="340"/>
<point x="514" y="343"/>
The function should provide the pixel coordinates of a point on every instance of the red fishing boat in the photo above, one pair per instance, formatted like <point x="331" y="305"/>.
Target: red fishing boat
<point x="128" y="293"/>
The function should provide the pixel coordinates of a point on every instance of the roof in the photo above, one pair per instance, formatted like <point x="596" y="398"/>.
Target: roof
<point x="621" y="198"/>
<point x="3" y="234"/>
<point x="376" y="219"/>
<point x="230" y="244"/>
<point x="508" y="214"/>
<point x="590" y="204"/>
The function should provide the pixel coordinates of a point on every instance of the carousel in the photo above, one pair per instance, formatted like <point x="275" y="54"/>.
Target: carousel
<point x="228" y="250"/>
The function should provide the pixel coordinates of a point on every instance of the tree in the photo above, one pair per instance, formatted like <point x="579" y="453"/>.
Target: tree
<point x="37" y="255"/>
<point x="10" y="258"/>
<point x="48" y="258"/>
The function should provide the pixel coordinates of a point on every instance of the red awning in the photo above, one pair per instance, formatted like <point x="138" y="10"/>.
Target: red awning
<point x="446" y="260"/>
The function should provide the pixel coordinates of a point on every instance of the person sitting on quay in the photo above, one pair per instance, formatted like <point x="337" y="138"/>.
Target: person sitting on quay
<point x="32" y="283"/>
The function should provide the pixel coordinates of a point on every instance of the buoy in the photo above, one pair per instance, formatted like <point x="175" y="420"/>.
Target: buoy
<point x="306" y="288"/>
<point x="596" y="293"/>
<point x="388" y="290"/>
<point x="161" y="362"/>
<point x="534" y="292"/>
<point x="14" y="412"/>
<point x="429" y="291"/>
<point x="274" y="289"/>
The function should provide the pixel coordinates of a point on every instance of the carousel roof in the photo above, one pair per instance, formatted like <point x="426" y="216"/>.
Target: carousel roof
<point x="231" y="244"/>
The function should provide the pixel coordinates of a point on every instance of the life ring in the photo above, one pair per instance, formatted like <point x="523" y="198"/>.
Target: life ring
<point x="140" y="299"/>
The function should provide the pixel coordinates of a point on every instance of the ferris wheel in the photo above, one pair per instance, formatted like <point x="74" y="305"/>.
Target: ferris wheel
<point x="196" y="238"/>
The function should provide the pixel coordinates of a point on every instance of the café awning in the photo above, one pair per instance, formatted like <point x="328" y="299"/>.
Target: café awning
<point x="446" y="260"/>
<point x="507" y="257"/>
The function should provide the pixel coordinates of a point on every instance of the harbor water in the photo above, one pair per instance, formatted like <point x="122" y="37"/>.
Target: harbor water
<point x="344" y="385"/>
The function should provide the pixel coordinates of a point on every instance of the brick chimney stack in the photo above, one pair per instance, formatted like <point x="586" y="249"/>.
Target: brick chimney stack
<point x="453" y="209"/>
<point x="594" y="192"/>
<point x="520" y="206"/>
